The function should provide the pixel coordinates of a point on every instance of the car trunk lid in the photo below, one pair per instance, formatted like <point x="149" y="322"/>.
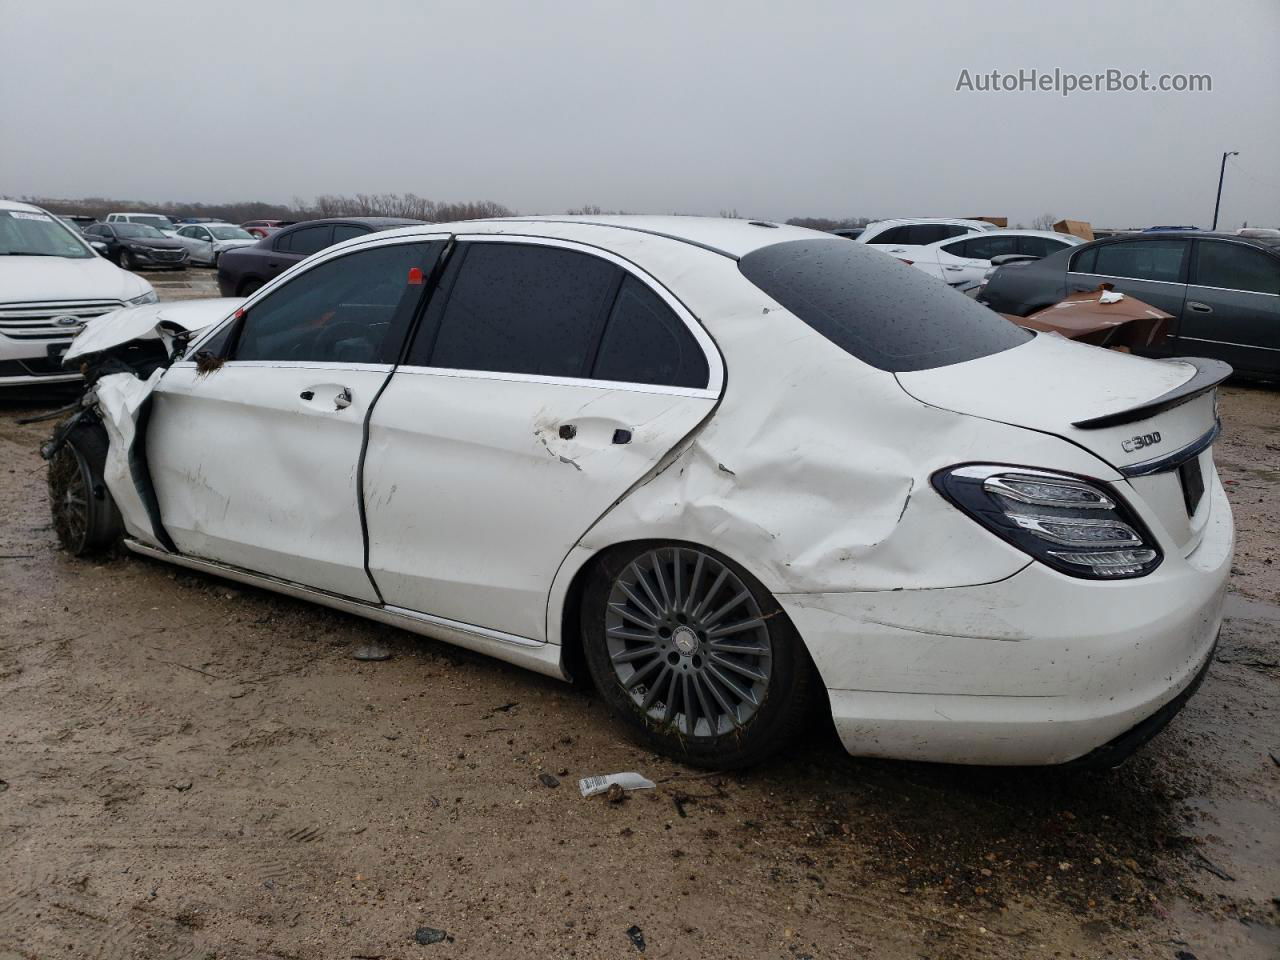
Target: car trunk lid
<point x="1152" y="420"/>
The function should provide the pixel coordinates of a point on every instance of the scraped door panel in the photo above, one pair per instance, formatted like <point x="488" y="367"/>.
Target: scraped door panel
<point x="255" y="465"/>
<point x="476" y="487"/>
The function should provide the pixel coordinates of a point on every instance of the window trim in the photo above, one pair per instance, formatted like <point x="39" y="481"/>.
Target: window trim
<point x="1194" y="267"/>
<point x="715" y="364"/>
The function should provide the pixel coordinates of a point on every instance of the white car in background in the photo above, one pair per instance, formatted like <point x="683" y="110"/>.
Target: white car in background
<point x="206" y="242"/>
<point x="51" y="283"/>
<point x="918" y="231"/>
<point x="157" y="220"/>
<point x="734" y="472"/>
<point x="963" y="262"/>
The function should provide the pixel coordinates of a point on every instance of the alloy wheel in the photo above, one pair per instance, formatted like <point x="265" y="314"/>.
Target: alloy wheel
<point x="688" y="642"/>
<point x="69" y="492"/>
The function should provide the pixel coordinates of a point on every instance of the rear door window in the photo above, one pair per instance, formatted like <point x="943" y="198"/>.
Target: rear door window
<point x="346" y="231"/>
<point x="888" y="315"/>
<point x="306" y="240"/>
<point x="352" y="309"/>
<point x="1039" y="246"/>
<point x="1159" y="260"/>
<point x="519" y="308"/>
<point x="892" y="235"/>
<point x="645" y="342"/>
<point x="1235" y="266"/>
<point x="982" y="247"/>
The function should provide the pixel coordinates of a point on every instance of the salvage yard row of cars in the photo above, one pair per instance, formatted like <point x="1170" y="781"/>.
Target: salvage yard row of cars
<point x="734" y="473"/>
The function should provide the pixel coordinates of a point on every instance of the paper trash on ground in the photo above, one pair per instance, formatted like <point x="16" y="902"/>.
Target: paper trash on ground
<point x="590" y="786"/>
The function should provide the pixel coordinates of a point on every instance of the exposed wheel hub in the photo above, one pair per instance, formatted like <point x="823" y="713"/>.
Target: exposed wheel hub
<point x="686" y="641"/>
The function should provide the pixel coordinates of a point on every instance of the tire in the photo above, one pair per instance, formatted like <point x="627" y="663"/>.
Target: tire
<point x="126" y="260"/>
<point x="694" y="655"/>
<point x="85" y="517"/>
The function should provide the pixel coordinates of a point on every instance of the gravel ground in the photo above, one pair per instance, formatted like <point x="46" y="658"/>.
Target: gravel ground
<point x="194" y="769"/>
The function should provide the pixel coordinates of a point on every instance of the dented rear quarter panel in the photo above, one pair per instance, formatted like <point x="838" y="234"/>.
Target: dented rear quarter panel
<point x="814" y="471"/>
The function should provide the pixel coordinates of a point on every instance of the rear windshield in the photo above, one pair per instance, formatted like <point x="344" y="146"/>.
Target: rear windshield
<point x="137" y="230"/>
<point x="877" y="308"/>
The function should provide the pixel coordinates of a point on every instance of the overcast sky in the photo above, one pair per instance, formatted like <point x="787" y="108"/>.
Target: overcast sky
<point x="774" y="109"/>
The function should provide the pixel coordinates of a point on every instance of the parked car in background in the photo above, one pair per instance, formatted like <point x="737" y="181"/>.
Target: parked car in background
<point x="1259" y="233"/>
<point x="77" y="220"/>
<point x="51" y="282"/>
<point x="962" y="262"/>
<point x="206" y="242"/>
<point x="264" y="228"/>
<point x="245" y="269"/>
<point x="567" y="444"/>
<point x="849" y="233"/>
<point x="137" y="246"/>
<point x="918" y="232"/>
<point x="1223" y="290"/>
<point x="157" y="220"/>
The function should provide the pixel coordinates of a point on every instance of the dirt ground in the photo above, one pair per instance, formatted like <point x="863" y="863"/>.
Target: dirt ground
<point x="190" y="768"/>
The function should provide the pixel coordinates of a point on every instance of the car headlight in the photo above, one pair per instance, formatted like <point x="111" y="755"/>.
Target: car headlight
<point x="1079" y="527"/>
<point x="149" y="297"/>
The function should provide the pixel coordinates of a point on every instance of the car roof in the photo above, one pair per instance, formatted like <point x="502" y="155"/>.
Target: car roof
<point x="383" y="222"/>
<point x="15" y="205"/>
<point x="957" y="221"/>
<point x="1180" y="234"/>
<point x="730" y="238"/>
<point x="1016" y="232"/>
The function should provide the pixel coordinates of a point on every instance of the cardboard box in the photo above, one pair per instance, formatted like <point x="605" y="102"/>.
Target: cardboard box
<point x="1077" y="228"/>
<point x="998" y="221"/>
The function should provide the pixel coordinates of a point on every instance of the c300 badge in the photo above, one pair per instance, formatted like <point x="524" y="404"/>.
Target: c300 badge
<point x="1141" y="442"/>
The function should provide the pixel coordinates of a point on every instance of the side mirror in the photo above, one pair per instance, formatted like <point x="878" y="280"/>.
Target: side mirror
<point x="98" y="245"/>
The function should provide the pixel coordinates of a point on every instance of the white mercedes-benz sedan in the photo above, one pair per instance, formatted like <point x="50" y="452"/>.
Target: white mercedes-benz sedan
<point x="738" y="474"/>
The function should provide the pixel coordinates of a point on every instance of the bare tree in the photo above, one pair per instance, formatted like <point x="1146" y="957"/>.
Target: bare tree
<point x="408" y="206"/>
<point x="1044" y="222"/>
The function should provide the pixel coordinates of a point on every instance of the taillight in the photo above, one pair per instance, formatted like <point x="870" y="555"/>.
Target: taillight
<point x="1079" y="527"/>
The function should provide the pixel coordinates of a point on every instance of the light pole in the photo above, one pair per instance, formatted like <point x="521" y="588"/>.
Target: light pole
<point x="1221" y="173"/>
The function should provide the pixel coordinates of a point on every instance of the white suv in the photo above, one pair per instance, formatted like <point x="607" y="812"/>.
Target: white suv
<point x="51" y="282"/>
<point x="157" y="220"/>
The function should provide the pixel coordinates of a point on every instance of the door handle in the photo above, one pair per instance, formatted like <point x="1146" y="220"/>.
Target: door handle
<point x="1197" y="307"/>
<point x="343" y="399"/>
<point x="953" y="269"/>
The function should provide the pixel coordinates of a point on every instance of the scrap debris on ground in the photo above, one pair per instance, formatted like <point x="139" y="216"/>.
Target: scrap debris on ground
<point x="194" y="769"/>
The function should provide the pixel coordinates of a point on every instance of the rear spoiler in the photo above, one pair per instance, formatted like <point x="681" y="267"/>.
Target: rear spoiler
<point x="1209" y="373"/>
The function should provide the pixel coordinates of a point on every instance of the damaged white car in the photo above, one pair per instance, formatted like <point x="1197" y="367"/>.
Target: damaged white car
<point x="736" y="473"/>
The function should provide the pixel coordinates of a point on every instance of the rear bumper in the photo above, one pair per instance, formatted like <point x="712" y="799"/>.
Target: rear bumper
<point x="1036" y="669"/>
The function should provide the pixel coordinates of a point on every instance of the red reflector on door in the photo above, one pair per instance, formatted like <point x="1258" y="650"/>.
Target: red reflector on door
<point x="415" y="276"/>
<point x="238" y="315"/>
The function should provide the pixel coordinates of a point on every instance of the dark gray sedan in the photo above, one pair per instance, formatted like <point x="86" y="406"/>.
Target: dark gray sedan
<point x="243" y="270"/>
<point x="1223" y="290"/>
